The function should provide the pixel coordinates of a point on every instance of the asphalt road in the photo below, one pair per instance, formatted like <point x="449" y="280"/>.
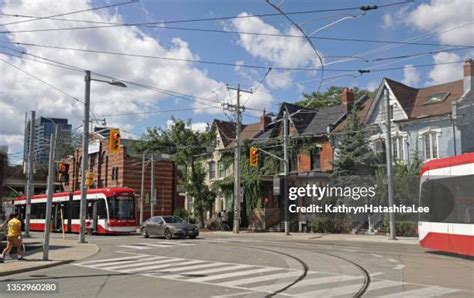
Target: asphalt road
<point x="132" y="266"/>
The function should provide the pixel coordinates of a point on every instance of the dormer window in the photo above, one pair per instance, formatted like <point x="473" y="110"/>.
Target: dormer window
<point x="437" y="97"/>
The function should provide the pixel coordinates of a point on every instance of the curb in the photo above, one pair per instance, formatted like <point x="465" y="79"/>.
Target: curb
<point x="53" y="264"/>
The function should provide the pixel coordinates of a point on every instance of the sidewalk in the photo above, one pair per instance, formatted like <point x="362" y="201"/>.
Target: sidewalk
<point x="60" y="252"/>
<point x="313" y="237"/>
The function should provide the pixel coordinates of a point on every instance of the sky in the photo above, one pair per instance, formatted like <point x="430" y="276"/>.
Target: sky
<point x="193" y="90"/>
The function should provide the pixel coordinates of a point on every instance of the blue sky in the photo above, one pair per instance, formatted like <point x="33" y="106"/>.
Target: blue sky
<point x="397" y="23"/>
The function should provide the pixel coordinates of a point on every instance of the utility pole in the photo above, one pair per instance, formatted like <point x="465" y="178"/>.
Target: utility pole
<point x="85" y="157"/>
<point x="388" y="150"/>
<point x="286" y="170"/>
<point x="237" y="158"/>
<point x="142" y="189"/>
<point x="152" y="186"/>
<point x="49" y="202"/>
<point x="29" y="178"/>
<point x="454" y="111"/>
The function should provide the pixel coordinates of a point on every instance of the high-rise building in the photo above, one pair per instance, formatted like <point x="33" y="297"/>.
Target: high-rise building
<point x="44" y="127"/>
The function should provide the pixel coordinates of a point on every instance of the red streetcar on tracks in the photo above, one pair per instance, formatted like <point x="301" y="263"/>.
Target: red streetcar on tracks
<point x="447" y="188"/>
<point x="109" y="211"/>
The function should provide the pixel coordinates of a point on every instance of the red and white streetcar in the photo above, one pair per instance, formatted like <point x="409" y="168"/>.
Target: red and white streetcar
<point x="109" y="211"/>
<point x="447" y="188"/>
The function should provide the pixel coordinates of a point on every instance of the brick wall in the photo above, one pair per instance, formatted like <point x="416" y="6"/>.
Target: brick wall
<point x="128" y="173"/>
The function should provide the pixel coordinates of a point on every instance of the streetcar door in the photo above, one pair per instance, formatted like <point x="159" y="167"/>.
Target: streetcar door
<point x="69" y="212"/>
<point x="94" y="216"/>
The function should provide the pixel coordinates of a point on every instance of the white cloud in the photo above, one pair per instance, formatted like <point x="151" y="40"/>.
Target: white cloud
<point x="372" y="85"/>
<point x="442" y="14"/>
<point x="199" y="126"/>
<point x="279" y="51"/>
<point x="411" y="76"/>
<point x="387" y="21"/>
<point x="279" y="79"/>
<point x="445" y="72"/>
<point x="20" y="93"/>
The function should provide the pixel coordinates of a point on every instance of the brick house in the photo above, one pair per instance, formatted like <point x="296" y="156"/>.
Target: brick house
<point x="124" y="169"/>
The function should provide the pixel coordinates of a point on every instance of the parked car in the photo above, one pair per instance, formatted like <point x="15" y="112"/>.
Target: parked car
<point x="169" y="227"/>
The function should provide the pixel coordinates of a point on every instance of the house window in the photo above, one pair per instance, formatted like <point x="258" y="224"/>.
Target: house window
<point x="222" y="169"/>
<point x="212" y="169"/>
<point x="397" y="148"/>
<point x="379" y="149"/>
<point x="316" y="159"/>
<point x="430" y="144"/>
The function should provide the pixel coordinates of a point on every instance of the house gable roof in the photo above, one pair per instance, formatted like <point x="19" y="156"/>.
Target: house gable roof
<point x="226" y="130"/>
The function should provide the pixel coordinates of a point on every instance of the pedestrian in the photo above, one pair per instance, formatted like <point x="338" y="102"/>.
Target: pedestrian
<point x="225" y="219"/>
<point x="13" y="237"/>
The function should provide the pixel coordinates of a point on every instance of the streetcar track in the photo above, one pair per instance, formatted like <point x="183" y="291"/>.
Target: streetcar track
<point x="364" y="271"/>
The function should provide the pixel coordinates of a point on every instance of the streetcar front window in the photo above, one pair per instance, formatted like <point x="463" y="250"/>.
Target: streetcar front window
<point x="121" y="207"/>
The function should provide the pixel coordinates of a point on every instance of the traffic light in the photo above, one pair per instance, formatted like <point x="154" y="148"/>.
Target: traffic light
<point x="89" y="178"/>
<point x="114" y="143"/>
<point x="253" y="158"/>
<point x="63" y="172"/>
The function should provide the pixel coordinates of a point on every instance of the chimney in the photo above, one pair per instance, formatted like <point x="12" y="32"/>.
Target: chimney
<point x="468" y="75"/>
<point x="264" y="121"/>
<point x="347" y="99"/>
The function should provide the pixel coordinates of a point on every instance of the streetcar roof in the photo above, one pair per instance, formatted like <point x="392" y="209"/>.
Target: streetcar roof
<point x="110" y="191"/>
<point x="447" y="162"/>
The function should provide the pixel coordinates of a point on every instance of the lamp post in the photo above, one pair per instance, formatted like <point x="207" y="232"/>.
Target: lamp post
<point x="85" y="149"/>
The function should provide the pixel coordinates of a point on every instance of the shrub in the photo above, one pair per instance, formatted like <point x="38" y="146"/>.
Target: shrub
<point x="406" y="228"/>
<point x="181" y="212"/>
<point x="329" y="225"/>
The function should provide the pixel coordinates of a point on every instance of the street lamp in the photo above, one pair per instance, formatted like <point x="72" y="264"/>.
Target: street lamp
<point x="85" y="149"/>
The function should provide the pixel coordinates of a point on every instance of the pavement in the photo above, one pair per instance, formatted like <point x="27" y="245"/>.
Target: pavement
<point x="61" y="252"/>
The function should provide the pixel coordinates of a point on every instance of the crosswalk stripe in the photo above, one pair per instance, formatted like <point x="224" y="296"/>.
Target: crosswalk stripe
<point x="133" y="246"/>
<point x="251" y="280"/>
<point x="104" y="264"/>
<point x="423" y="292"/>
<point x="308" y="282"/>
<point x="132" y="264"/>
<point x="161" y="266"/>
<point x="347" y="290"/>
<point x="160" y="261"/>
<point x="206" y="265"/>
<point x="165" y="244"/>
<point x="114" y="259"/>
<point x="213" y="270"/>
<point x="233" y="274"/>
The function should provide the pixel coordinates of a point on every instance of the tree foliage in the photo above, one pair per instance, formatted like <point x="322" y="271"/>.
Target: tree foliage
<point x="329" y="98"/>
<point x="188" y="147"/>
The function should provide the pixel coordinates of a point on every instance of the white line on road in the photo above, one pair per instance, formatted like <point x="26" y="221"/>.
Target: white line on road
<point x="114" y="259"/>
<point x="423" y="292"/>
<point x="376" y="255"/>
<point x="347" y="290"/>
<point x="134" y="261"/>
<point x="257" y="279"/>
<point x="233" y="274"/>
<point x="169" y="264"/>
<point x="399" y="267"/>
<point x="392" y="260"/>
<point x="134" y="247"/>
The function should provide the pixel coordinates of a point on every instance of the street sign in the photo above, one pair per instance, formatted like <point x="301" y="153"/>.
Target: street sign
<point x="276" y="185"/>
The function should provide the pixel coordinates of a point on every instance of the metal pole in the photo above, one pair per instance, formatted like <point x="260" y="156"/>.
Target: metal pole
<point x="85" y="156"/>
<point x="152" y="186"/>
<point x="237" y="167"/>
<point x="388" y="149"/>
<point x="286" y="170"/>
<point x="49" y="202"/>
<point x="142" y="189"/>
<point x="453" y="124"/>
<point x="29" y="178"/>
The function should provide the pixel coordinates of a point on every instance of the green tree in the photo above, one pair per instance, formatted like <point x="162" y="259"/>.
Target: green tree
<point x="329" y="98"/>
<point x="189" y="147"/>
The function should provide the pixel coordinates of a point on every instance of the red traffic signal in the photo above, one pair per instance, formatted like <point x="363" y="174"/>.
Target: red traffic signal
<point x="253" y="157"/>
<point x="114" y="141"/>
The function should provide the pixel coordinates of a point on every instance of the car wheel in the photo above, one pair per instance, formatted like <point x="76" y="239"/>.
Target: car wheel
<point x="145" y="234"/>
<point x="168" y="234"/>
<point x="193" y="237"/>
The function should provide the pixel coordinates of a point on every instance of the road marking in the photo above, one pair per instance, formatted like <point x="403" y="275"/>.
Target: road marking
<point x="347" y="290"/>
<point x="134" y="261"/>
<point x="166" y="244"/>
<point x="399" y="267"/>
<point x="376" y="255"/>
<point x="307" y="282"/>
<point x="230" y="267"/>
<point x="392" y="260"/>
<point x="233" y="274"/>
<point x="114" y="259"/>
<point x="200" y="266"/>
<point x="134" y="247"/>
<point x="169" y="264"/>
<point x="257" y="279"/>
<point x="423" y="292"/>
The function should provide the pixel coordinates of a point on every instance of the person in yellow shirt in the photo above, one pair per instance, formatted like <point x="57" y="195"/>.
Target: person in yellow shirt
<point x="13" y="236"/>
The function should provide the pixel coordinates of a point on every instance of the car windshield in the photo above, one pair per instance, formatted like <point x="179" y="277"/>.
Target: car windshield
<point x="173" y="219"/>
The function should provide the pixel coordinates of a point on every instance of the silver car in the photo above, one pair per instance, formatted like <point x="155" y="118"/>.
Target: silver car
<point x="169" y="227"/>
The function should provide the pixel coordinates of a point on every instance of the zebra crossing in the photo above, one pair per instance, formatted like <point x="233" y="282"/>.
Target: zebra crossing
<point x="262" y="279"/>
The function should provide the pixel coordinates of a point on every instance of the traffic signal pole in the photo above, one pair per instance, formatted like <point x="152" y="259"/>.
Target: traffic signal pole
<point x="152" y="186"/>
<point x="49" y="201"/>
<point x="29" y="174"/>
<point x="286" y="170"/>
<point x="85" y="157"/>
<point x="388" y="141"/>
